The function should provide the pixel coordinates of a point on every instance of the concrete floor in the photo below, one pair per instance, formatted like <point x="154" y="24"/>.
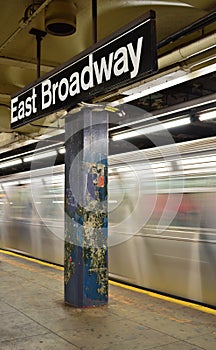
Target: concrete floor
<point x="33" y="316"/>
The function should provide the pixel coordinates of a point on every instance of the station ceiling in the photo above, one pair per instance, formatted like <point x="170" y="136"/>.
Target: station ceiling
<point x="18" y="58"/>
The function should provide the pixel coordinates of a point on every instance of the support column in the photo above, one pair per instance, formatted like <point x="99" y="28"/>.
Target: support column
<point x="86" y="223"/>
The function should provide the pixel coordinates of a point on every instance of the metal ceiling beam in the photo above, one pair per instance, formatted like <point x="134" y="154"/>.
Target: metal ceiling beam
<point x="197" y="25"/>
<point x="7" y="61"/>
<point x="5" y="97"/>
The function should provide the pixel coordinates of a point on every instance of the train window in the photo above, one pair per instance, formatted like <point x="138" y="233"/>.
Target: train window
<point x="49" y="197"/>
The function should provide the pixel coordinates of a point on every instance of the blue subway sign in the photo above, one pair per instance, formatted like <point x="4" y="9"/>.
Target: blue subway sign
<point x="124" y="57"/>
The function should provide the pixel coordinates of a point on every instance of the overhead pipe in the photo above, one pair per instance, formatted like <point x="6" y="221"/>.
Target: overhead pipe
<point x="94" y="21"/>
<point x="188" y="51"/>
<point x="200" y="23"/>
<point x="39" y="35"/>
<point x="23" y="64"/>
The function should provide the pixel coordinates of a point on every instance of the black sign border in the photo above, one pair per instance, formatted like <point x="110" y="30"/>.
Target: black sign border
<point x="150" y="15"/>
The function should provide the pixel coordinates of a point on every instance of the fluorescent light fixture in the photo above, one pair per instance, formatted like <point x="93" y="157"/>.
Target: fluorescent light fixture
<point x="200" y="165"/>
<point x="42" y="149"/>
<point x="176" y="123"/>
<point x="11" y="163"/>
<point x="158" y="2"/>
<point x="61" y="150"/>
<point x="11" y="183"/>
<point x="196" y="160"/>
<point x="25" y="181"/>
<point x="207" y="115"/>
<point x="38" y="156"/>
<point x="168" y="80"/>
<point x="199" y="171"/>
<point x="151" y="129"/>
<point x="182" y="107"/>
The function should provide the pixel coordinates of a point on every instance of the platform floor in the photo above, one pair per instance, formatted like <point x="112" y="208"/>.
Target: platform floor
<point x="33" y="315"/>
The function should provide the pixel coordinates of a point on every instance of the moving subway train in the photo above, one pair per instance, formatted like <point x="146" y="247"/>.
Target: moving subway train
<point x="162" y="218"/>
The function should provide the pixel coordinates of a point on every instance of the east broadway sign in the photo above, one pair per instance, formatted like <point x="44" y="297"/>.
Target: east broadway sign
<point x="124" y="57"/>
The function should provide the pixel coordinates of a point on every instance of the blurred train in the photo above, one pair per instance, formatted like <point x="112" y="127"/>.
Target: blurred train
<point x="162" y="218"/>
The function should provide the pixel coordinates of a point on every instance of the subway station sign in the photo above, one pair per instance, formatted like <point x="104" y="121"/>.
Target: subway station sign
<point x="124" y="57"/>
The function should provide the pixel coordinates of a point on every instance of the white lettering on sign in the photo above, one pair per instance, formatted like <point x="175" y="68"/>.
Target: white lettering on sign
<point x="87" y="73"/>
<point x="104" y="69"/>
<point x="95" y="72"/>
<point x="135" y="58"/>
<point x="23" y="108"/>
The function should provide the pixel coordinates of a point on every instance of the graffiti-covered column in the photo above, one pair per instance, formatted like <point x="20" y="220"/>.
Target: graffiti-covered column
<point x="86" y="223"/>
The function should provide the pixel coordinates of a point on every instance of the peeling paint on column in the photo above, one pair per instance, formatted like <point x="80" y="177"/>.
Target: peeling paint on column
<point x="86" y="260"/>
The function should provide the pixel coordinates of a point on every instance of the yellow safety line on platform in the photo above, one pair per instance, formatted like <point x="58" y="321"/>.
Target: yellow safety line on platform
<point x="170" y="299"/>
<point x="118" y="284"/>
<point x="33" y="260"/>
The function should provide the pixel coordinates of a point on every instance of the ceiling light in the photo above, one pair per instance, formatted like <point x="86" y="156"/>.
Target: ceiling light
<point x="179" y="108"/>
<point x="151" y="129"/>
<point x="60" y="18"/>
<point x="39" y="156"/>
<point x="159" y="3"/>
<point x="207" y="115"/>
<point x="206" y="170"/>
<point x="200" y="165"/>
<point x="61" y="150"/>
<point x="176" y="123"/>
<point x="11" y="183"/>
<point x="163" y="82"/>
<point x="196" y="160"/>
<point x="11" y="163"/>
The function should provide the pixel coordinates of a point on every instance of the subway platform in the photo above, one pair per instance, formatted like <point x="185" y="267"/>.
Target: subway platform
<point x="33" y="315"/>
